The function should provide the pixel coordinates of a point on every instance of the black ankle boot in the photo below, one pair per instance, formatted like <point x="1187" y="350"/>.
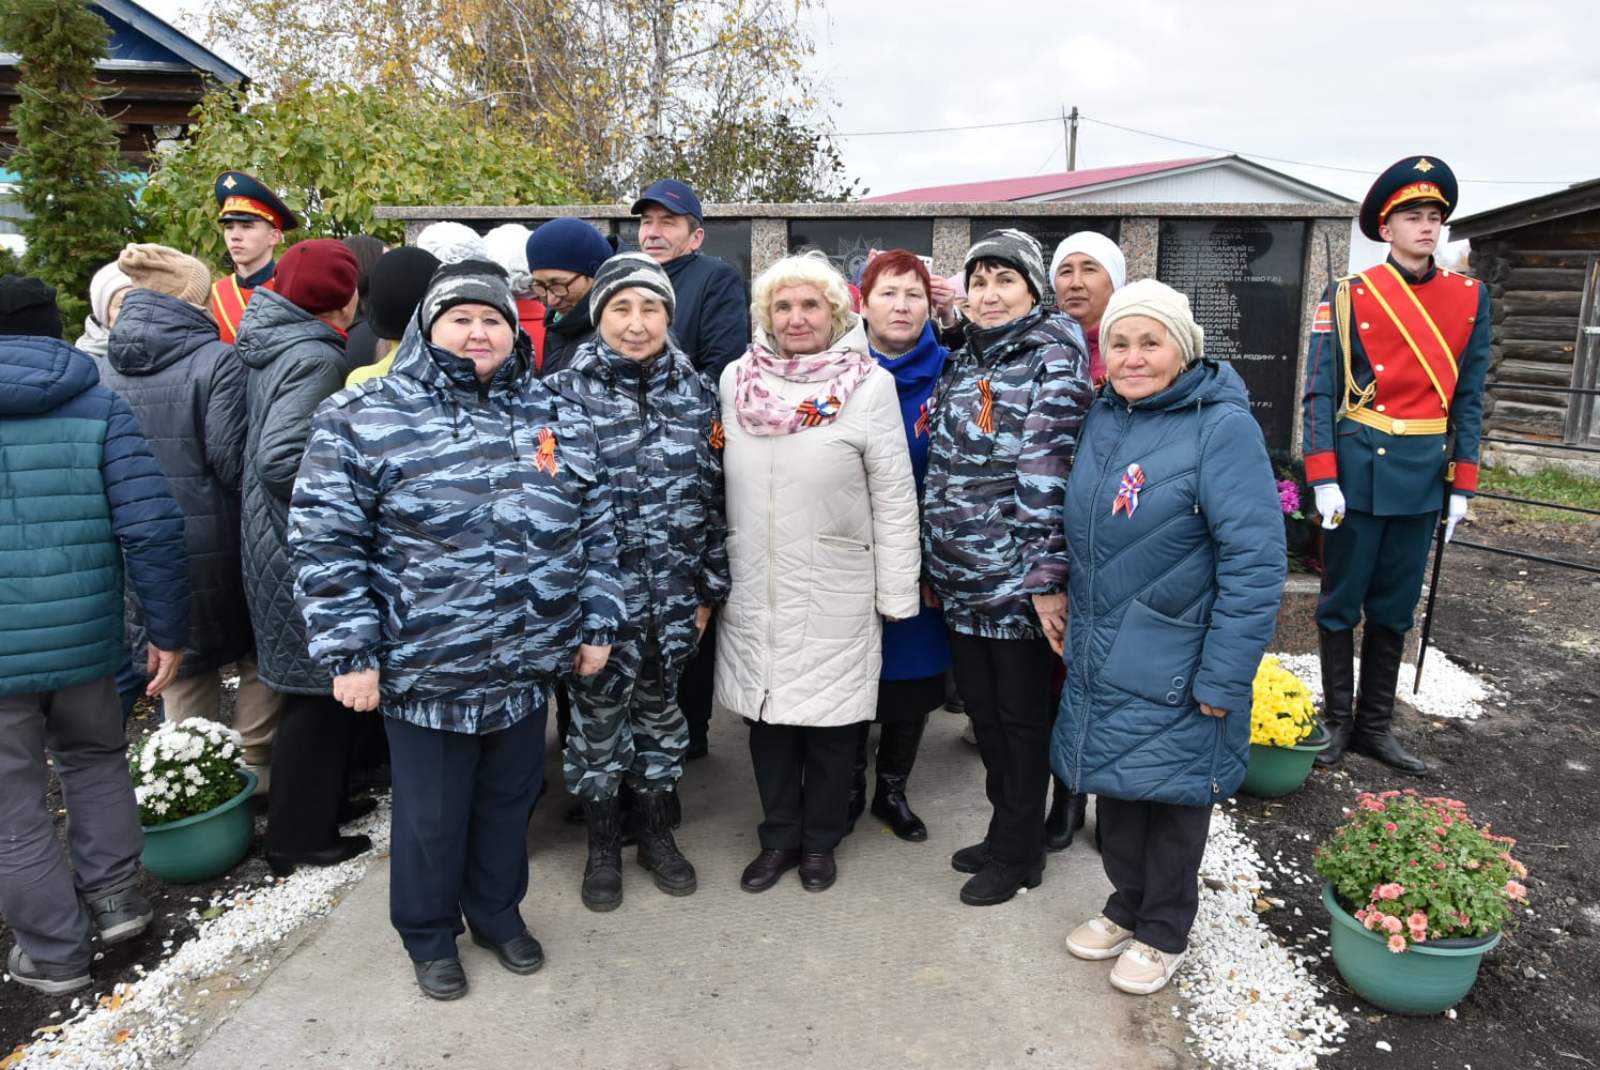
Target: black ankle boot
<point x="1381" y="651"/>
<point x="1065" y="818"/>
<point x="1337" y="650"/>
<point x="998" y="881"/>
<point x="658" y="851"/>
<point x="897" y="753"/>
<point x="858" y="785"/>
<point x="602" y="875"/>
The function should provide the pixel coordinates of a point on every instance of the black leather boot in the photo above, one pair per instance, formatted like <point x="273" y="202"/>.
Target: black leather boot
<point x="658" y="851"/>
<point x="858" y="785"/>
<point x="602" y="875"/>
<point x="897" y="753"/>
<point x="998" y="881"/>
<point x="1337" y="651"/>
<point x="1381" y="651"/>
<point x="1065" y="818"/>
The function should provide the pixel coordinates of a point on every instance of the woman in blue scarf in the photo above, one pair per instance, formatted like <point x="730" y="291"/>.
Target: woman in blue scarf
<point x="895" y="289"/>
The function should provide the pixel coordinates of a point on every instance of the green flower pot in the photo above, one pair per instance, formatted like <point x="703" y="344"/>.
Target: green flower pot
<point x="204" y="846"/>
<point x="1275" y="771"/>
<point x="1426" y="978"/>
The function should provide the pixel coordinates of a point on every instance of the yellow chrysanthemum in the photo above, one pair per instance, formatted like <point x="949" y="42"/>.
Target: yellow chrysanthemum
<point x="1281" y="711"/>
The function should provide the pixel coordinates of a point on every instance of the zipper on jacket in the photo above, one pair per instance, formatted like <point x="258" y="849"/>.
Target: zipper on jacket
<point x="772" y="573"/>
<point x="1094" y="513"/>
<point x="416" y="532"/>
<point x="1216" y="754"/>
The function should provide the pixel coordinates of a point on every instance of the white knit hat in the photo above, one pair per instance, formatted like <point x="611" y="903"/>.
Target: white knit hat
<point x="1099" y="248"/>
<point x="452" y="242"/>
<point x="106" y="284"/>
<point x="507" y="245"/>
<point x="1162" y="303"/>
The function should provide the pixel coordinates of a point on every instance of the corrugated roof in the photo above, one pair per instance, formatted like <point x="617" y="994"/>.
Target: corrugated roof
<point x="1015" y="189"/>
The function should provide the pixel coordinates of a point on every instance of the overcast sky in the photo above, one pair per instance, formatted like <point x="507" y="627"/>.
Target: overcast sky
<point x="1501" y="91"/>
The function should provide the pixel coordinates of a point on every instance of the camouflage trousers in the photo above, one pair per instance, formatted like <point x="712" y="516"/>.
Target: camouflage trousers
<point x="626" y="724"/>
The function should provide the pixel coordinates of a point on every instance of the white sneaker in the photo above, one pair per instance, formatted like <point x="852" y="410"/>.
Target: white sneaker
<point x="1099" y="938"/>
<point x="1142" y="969"/>
<point x="969" y="733"/>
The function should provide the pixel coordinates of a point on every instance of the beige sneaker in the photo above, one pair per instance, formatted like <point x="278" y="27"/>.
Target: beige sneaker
<point x="1098" y="938"/>
<point x="1142" y="969"/>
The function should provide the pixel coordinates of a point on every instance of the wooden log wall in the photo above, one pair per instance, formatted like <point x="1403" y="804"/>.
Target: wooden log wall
<point x="1536" y="277"/>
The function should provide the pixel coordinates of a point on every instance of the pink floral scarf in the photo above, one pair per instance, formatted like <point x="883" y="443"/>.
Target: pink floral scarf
<point x="839" y="370"/>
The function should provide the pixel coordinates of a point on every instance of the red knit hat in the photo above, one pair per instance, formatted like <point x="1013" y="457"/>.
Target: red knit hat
<point x="318" y="275"/>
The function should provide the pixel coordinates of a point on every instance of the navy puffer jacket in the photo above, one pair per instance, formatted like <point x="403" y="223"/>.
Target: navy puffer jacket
<point x="187" y="389"/>
<point x="1172" y="605"/>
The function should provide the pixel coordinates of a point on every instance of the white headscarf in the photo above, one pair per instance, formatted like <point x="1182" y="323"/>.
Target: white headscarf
<point x="1099" y="248"/>
<point x="507" y="245"/>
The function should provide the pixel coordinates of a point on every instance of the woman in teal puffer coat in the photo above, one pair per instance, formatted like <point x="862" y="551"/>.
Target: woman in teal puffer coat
<point x="1176" y="565"/>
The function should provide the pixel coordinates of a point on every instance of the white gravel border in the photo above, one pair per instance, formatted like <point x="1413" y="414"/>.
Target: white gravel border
<point x="140" y="1022"/>
<point x="1250" y="1002"/>
<point x="1449" y="691"/>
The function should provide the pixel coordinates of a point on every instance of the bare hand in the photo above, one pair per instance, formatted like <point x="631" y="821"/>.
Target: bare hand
<point x="357" y="690"/>
<point x="702" y="618"/>
<point x="943" y="300"/>
<point x="1212" y="711"/>
<point x="591" y="659"/>
<point x="930" y="598"/>
<point x="162" y="668"/>
<point x="1052" y="611"/>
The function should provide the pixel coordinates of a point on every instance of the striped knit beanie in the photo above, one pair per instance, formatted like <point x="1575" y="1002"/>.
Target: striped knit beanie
<point x="467" y="282"/>
<point x="1013" y="247"/>
<point x="625" y="270"/>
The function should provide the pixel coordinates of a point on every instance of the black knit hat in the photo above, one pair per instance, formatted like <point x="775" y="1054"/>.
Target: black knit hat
<point x="28" y="306"/>
<point x="395" y="286"/>
<point x="467" y="282"/>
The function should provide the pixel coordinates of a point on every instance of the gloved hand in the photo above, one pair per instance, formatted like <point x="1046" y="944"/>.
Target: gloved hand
<point x="1330" y="504"/>
<point x="1458" y="510"/>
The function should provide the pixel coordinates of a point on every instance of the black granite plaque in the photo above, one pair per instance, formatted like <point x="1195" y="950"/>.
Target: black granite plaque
<point x="1049" y="232"/>
<point x="849" y="240"/>
<point x="1244" y="278"/>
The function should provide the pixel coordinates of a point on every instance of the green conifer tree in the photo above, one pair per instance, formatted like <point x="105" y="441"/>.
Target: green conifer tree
<point x="67" y="162"/>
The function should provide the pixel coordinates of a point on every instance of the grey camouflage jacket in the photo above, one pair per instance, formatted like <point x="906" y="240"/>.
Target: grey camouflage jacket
<point x="656" y="423"/>
<point x="1005" y="425"/>
<point x="455" y="537"/>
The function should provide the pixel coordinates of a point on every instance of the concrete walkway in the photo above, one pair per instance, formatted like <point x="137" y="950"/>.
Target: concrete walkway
<point x="887" y="969"/>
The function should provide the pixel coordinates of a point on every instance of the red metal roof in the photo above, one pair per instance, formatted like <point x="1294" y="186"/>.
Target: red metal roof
<point x="1015" y="189"/>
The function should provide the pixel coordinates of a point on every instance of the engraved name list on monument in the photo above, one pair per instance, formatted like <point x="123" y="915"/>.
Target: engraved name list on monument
<point x="1244" y="279"/>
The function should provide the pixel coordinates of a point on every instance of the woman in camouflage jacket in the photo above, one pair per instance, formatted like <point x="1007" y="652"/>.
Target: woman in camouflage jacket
<point x="451" y="529"/>
<point x="655" y="418"/>
<point x="1005" y="423"/>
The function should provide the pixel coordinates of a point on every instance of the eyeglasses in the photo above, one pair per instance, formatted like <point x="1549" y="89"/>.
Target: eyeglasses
<point x="557" y="290"/>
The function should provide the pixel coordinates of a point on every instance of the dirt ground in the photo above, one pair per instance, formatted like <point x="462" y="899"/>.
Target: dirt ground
<point x="1531" y="630"/>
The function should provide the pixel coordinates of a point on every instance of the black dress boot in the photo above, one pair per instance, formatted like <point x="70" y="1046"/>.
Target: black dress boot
<point x="1065" y="818"/>
<point x="658" y="851"/>
<point x="1337" y="651"/>
<point x="1381" y="651"/>
<point x="858" y="785"/>
<point x="602" y="875"/>
<point x="897" y="753"/>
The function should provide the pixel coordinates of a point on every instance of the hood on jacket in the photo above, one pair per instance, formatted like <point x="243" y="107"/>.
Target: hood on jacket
<point x="39" y="374"/>
<point x="1038" y="327"/>
<point x="155" y="331"/>
<point x="438" y="369"/>
<point x="597" y="360"/>
<point x="272" y="325"/>
<point x="1206" y="382"/>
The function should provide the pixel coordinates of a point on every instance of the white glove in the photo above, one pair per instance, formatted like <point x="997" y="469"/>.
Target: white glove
<point x="1458" y="511"/>
<point x="1330" y="504"/>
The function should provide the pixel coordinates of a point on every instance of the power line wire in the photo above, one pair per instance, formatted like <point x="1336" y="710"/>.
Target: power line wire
<point x="1191" y="144"/>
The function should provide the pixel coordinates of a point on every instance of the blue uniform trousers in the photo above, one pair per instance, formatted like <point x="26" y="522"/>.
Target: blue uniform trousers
<point x="1374" y="564"/>
<point x="460" y="831"/>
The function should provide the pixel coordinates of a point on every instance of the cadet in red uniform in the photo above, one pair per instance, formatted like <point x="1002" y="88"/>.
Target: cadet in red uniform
<point x="1393" y="411"/>
<point x="253" y="221"/>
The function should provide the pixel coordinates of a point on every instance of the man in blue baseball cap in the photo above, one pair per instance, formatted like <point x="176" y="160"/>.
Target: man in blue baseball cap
<point x="712" y="325"/>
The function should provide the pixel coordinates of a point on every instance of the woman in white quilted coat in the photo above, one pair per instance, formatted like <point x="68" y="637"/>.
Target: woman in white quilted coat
<point x="822" y="545"/>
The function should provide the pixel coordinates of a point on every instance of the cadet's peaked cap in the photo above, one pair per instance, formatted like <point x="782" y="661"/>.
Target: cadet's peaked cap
<point x="245" y="197"/>
<point x="1412" y="180"/>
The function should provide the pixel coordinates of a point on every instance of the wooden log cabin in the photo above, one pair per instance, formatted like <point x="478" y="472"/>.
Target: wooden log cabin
<point x="1541" y="259"/>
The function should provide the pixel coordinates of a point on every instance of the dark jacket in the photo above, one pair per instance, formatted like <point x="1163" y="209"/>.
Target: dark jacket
<point x="712" y="320"/>
<point x="296" y="361"/>
<point x="655" y="423"/>
<point x="455" y="537"/>
<point x="82" y="498"/>
<point x="1173" y="605"/>
<point x="1005" y="425"/>
<point x="187" y="390"/>
<point x="562" y="337"/>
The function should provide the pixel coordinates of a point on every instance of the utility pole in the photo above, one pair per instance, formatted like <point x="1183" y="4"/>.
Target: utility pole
<point x="1071" y="124"/>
